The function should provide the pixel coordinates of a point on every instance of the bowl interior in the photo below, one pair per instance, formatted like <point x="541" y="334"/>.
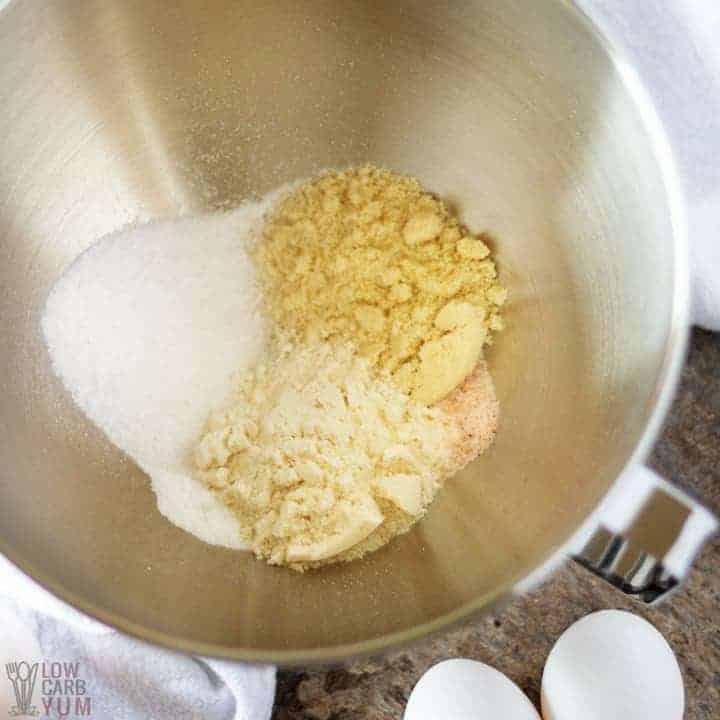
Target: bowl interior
<point x="118" y="112"/>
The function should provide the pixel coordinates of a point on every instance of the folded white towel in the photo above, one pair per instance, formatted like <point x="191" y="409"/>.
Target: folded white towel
<point x="121" y="678"/>
<point x="675" y="48"/>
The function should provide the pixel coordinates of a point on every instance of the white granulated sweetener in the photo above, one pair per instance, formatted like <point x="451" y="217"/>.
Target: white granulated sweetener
<point x="146" y="329"/>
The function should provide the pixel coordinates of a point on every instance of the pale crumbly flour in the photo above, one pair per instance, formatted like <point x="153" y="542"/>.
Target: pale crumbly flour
<point x="324" y="459"/>
<point x="316" y="453"/>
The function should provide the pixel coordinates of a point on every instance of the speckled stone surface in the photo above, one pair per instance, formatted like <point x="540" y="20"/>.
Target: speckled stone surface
<point x="518" y="640"/>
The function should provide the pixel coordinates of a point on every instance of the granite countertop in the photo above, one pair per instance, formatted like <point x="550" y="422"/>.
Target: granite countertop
<point x="518" y="640"/>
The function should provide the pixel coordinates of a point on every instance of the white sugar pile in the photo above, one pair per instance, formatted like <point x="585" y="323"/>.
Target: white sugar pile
<point x="145" y="329"/>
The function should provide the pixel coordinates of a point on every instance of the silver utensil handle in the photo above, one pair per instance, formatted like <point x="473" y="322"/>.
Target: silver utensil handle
<point x="648" y="534"/>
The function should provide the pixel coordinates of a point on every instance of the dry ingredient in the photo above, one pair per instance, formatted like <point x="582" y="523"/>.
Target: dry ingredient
<point x="145" y="329"/>
<point x="322" y="458"/>
<point x="474" y="407"/>
<point x="368" y="256"/>
<point x="325" y="459"/>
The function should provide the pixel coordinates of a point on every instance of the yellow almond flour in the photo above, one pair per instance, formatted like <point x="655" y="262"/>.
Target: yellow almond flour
<point x="324" y="459"/>
<point x="367" y="256"/>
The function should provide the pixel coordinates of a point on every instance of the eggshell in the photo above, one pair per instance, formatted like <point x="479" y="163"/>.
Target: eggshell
<point x="464" y="690"/>
<point x="612" y="664"/>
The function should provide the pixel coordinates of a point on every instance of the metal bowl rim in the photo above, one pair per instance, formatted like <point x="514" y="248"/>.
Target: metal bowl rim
<point x="674" y="357"/>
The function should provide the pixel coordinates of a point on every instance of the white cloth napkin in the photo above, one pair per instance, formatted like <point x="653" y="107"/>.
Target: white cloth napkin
<point x="675" y="48"/>
<point x="123" y="679"/>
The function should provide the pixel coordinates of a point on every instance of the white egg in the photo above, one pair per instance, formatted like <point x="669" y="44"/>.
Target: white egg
<point x="465" y="690"/>
<point x="609" y="665"/>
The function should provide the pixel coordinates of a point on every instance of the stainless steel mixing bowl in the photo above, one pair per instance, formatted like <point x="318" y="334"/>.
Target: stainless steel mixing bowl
<point x="515" y="111"/>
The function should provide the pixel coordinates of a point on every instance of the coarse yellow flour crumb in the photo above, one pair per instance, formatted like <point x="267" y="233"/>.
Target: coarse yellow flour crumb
<point x="323" y="458"/>
<point x="366" y="255"/>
